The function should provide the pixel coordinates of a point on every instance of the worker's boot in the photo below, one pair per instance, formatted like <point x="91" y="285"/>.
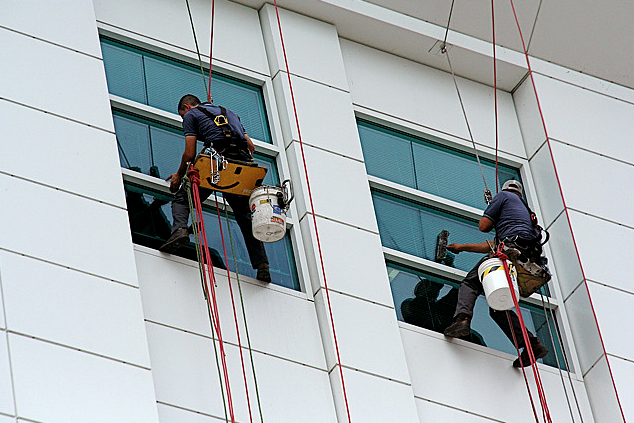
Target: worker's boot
<point x="460" y="327"/>
<point x="539" y="351"/>
<point x="179" y="238"/>
<point x="263" y="273"/>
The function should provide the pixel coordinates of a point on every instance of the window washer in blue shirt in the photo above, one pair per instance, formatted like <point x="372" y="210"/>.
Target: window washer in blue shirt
<point x="231" y="141"/>
<point x="511" y="219"/>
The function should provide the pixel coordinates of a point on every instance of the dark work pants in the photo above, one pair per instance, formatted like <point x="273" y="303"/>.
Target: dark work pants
<point x="240" y="206"/>
<point x="470" y="289"/>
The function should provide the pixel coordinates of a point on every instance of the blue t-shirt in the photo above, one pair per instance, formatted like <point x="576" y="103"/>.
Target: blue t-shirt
<point x="510" y="217"/>
<point x="198" y="124"/>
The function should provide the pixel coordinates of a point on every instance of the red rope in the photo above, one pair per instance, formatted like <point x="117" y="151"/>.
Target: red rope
<point x="517" y="348"/>
<point x="310" y="197"/>
<point x="527" y="343"/>
<point x="207" y="278"/>
<point x="495" y="96"/>
<point x="211" y="46"/>
<point x="574" y="242"/>
<point x="235" y="315"/>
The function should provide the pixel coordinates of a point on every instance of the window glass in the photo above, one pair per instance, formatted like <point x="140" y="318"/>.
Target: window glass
<point x="429" y="301"/>
<point x="413" y="228"/>
<point x="428" y="166"/>
<point x="149" y="78"/>
<point x="124" y="71"/>
<point x="151" y="221"/>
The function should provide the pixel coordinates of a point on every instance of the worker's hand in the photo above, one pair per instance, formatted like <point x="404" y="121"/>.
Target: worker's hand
<point x="454" y="248"/>
<point x="175" y="181"/>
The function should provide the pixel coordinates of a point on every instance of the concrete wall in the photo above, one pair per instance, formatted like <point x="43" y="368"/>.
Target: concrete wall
<point x="590" y="145"/>
<point x="73" y="345"/>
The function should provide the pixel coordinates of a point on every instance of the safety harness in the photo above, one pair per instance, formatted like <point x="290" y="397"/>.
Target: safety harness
<point x="221" y="121"/>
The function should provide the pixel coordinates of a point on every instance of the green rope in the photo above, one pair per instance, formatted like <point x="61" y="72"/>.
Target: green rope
<point x="200" y="61"/>
<point x="244" y="315"/>
<point x="192" y="209"/>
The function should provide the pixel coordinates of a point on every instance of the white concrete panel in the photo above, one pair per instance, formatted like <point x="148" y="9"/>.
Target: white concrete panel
<point x="605" y="408"/>
<point x="312" y="47"/>
<point x="565" y="259"/>
<point x="373" y="399"/>
<point x="54" y="79"/>
<point x="50" y="21"/>
<point x="484" y="374"/>
<point x="237" y="34"/>
<point x="58" y="384"/>
<point x="75" y="309"/>
<point x="548" y="192"/>
<point x="353" y="260"/>
<point x="326" y="117"/>
<point x="7" y="419"/>
<point x="605" y="249"/>
<point x="192" y="381"/>
<point x="589" y="120"/>
<point x="66" y="229"/>
<point x="594" y="184"/>
<point x="432" y="412"/>
<point x="296" y="335"/>
<point x="339" y="187"/>
<point x="528" y="116"/>
<point x="609" y="305"/>
<point x="54" y="143"/>
<point x="169" y="414"/>
<point x="623" y="372"/>
<point x="6" y="390"/>
<point x="367" y="335"/>
<point x="584" y="328"/>
<point x="426" y="96"/>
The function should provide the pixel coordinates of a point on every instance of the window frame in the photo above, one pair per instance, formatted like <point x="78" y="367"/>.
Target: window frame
<point x="552" y="302"/>
<point x="274" y="150"/>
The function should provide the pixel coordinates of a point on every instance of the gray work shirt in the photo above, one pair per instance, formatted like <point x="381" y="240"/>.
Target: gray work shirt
<point x="511" y="217"/>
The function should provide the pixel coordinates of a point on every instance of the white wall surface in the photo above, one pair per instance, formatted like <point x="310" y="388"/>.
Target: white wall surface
<point x="590" y="146"/>
<point x="73" y="345"/>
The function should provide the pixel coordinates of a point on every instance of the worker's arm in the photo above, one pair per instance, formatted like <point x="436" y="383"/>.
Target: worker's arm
<point x="481" y="247"/>
<point x="485" y="224"/>
<point x="250" y="143"/>
<point x="188" y="156"/>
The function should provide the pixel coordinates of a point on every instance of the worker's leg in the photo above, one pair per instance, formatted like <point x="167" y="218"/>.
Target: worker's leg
<point x="468" y="293"/>
<point x="539" y="349"/>
<point x="180" y="216"/>
<point x="469" y="290"/>
<point x="240" y="206"/>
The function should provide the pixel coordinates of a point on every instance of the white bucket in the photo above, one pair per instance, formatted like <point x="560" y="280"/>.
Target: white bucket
<point x="496" y="286"/>
<point x="269" y="219"/>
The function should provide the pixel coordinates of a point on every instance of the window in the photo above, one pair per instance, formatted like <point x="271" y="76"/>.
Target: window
<point x="405" y="169"/>
<point x="152" y="144"/>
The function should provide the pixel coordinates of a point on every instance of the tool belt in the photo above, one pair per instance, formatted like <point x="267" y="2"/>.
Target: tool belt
<point x="531" y="265"/>
<point x="232" y="176"/>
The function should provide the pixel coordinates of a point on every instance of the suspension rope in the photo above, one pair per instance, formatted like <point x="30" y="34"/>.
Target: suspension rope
<point x="211" y="46"/>
<point x="495" y="96"/>
<point x="445" y="51"/>
<point x="574" y="242"/>
<point x="210" y="280"/>
<point x="233" y="305"/>
<point x="200" y="60"/>
<point x="517" y="348"/>
<point x="244" y="315"/>
<point x="312" y="208"/>
<point x="552" y="341"/>
<point x="527" y="344"/>
<point x="201" y="269"/>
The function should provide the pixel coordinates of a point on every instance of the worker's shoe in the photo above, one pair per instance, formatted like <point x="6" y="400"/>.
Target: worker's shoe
<point x="263" y="273"/>
<point x="179" y="238"/>
<point x="460" y="327"/>
<point x="539" y="351"/>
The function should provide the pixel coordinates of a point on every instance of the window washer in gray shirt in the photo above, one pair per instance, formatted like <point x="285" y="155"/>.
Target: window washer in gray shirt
<point x="511" y="219"/>
<point x="234" y="144"/>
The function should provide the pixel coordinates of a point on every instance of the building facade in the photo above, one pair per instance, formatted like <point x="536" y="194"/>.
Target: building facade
<point x="98" y="325"/>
